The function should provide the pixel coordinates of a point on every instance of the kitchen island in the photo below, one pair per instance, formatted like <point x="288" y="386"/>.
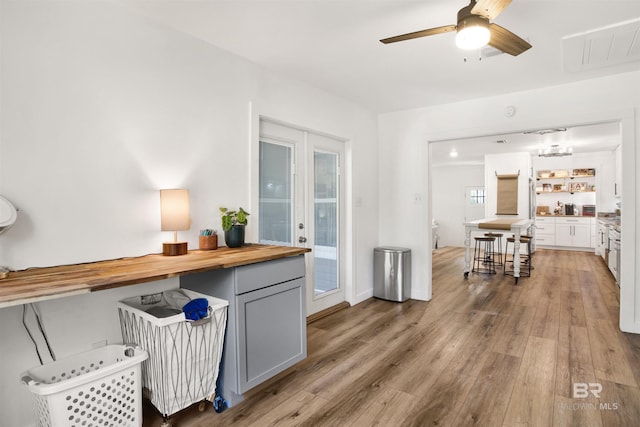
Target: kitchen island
<point x="517" y="226"/>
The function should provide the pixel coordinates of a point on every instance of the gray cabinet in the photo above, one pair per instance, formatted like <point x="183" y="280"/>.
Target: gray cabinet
<point x="272" y="338"/>
<point x="266" y="330"/>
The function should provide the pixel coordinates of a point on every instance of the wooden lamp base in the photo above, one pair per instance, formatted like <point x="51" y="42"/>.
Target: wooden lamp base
<point x="174" y="248"/>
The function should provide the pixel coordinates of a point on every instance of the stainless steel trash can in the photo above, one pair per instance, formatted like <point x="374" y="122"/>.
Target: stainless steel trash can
<point x="392" y="273"/>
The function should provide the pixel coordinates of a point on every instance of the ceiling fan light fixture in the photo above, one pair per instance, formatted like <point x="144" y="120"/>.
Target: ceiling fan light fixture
<point x="474" y="30"/>
<point x="473" y="33"/>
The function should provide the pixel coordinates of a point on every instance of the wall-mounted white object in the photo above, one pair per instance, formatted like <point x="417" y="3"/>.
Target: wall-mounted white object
<point x="510" y="111"/>
<point x="8" y="214"/>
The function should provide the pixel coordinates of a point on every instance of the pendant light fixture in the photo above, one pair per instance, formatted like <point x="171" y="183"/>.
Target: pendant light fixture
<point x="555" y="151"/>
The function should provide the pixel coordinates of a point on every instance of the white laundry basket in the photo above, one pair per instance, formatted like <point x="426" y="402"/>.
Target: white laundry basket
<point x="184" y="356"/>
<point x="101" y="387"/>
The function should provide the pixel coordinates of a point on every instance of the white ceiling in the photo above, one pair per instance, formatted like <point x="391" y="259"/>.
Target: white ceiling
<point x="581" y="139"/>
<point x="334" y="44"/>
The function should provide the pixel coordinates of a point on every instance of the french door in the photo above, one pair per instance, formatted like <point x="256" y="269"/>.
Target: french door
<point x="300" y="204"/>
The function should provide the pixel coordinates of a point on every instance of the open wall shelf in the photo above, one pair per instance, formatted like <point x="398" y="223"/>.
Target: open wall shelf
<point x="564" y="181"/>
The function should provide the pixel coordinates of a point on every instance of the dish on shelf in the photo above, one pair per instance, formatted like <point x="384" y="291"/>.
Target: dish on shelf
<point x="562" y="173"/>
<point x="584" y="172"/>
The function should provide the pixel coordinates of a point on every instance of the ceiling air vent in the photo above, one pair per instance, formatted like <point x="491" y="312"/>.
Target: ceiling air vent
<point x="602" y="47"/>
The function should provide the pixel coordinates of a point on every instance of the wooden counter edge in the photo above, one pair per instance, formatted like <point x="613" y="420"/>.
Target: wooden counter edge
<point x="29" y="285"/>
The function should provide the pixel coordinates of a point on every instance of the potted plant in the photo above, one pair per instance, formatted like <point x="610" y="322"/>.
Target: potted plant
<point x="233" y="224"/>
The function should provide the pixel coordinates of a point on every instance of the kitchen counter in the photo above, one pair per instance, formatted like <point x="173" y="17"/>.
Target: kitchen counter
<point x="38" y="284"/>
<point x="613" y="221"/>
<point x="564" y="216"/>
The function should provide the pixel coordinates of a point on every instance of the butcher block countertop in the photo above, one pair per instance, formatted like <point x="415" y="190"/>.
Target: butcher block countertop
<point x="38" y="284"/>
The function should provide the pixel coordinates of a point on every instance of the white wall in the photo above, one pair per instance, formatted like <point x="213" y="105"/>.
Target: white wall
<point x="448" y="200"/>
<point x="100" y="109"/>
<point x="404" y="136"/>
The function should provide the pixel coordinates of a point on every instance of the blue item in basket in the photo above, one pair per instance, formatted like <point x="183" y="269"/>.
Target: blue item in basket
<point x="196" y="309"/>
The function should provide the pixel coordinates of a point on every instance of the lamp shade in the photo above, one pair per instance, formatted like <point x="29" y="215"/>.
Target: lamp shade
<point x="174" y="210"/>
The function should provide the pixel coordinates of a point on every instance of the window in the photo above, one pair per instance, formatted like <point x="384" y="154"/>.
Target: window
<point x="476" y="196"/>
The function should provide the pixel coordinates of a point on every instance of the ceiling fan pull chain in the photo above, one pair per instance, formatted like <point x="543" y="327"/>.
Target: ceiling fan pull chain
<point x="479" y="56"/>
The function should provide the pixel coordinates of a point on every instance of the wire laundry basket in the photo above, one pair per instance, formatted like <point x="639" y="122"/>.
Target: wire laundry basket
<point x="184" y="356"/>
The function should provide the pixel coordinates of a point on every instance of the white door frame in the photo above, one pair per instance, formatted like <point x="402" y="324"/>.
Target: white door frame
<point x="348" y="270"/>
<point x="629" y="291"/>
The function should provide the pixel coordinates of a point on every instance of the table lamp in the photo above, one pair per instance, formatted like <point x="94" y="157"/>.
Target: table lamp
<point x="174" y="216"/>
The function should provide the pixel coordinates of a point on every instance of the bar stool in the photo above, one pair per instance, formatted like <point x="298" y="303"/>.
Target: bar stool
<point x="525" y="258"/>
<point x="482" y="260"/>
<point x="497" y="254"/>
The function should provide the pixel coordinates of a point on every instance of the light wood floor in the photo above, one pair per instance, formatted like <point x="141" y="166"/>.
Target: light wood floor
<point x="483" y="352"/>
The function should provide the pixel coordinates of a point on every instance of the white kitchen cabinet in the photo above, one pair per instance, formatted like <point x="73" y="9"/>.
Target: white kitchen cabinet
<point x="602" y="236"/>
<point x="617" y="186"/>
<point x="564" y="235"/>
<point x="614" y="253"/>
<point x="573" y="232"/>
<point x="582" y="236"/>
<point x="545" y="233"/>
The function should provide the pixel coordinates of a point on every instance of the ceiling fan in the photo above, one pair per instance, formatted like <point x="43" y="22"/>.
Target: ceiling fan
<point x="474" y="29"/>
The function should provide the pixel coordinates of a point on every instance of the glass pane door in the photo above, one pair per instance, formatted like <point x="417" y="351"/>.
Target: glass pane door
<point x="299" y="199"/>
<point x="325" y="208"/>
<point x="325" y="190"/>
<point x="276" y="194"/>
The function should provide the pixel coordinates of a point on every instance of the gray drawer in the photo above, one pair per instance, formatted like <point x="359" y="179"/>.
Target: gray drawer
<point x="257" y="276"/>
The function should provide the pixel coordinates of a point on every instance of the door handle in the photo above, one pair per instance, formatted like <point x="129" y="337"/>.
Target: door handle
<point x="302" y="239"/>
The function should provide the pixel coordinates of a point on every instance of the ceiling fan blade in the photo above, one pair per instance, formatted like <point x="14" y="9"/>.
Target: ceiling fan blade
<point x="490" y="8"/>
<point x="422" y="33"/>
<point x="506" y="41"/>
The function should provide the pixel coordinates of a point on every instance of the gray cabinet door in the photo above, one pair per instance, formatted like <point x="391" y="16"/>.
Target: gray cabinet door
<point x="272" y="327"/>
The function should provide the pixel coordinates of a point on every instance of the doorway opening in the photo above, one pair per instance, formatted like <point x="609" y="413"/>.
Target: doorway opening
<point x="625" y="124"/>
